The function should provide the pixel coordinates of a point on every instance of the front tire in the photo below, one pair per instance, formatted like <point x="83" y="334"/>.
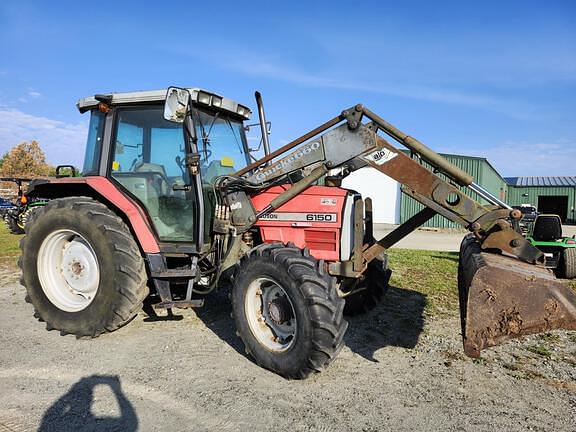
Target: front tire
<point x="569" y="263"/>
<point x="287" y="310"/>
<point x="81" y="267"/>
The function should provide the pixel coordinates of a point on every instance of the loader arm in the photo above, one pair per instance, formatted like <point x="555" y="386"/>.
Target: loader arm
<point x="353" y="145"/>
<point x="505" y="291"/>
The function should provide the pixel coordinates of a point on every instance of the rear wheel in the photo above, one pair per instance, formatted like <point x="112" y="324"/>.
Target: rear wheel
<point x="13" y="224"/>
<point x="81" y="267"/>
<point x="569" y="263"/>
<point x="287" y="310"/>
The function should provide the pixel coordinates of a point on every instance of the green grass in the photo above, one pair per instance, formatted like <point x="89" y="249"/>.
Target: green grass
<point x="540" y="350"/>
<point x="434" y="274"/>
<point x="8" y="242"/>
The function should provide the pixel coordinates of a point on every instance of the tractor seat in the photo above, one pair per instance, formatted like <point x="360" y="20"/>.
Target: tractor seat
<point x="160" y="181"/>
<point x="547" y="228"/>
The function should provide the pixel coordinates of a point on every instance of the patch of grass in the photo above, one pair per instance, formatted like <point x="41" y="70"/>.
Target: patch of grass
<point x="511" y="366"/>
<point x="550" y="337"/>
<point x="432" y="273"/>
<point x="540" y="350"/>
<point x="8" y="242"/>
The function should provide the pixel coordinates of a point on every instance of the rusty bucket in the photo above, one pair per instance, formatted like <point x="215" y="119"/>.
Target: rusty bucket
<point x="503" y="298"/>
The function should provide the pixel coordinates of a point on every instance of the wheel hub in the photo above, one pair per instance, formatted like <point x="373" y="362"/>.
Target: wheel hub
<point x="68" y="270"/>
<point x="270" y="314"/>
<point x="280" y="310"/>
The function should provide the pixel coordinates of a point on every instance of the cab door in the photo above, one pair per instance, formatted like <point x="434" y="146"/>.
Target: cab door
<point x="148" y="155"/>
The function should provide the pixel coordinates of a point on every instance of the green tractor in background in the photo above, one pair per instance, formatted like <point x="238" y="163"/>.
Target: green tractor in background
<point x="560" y="251"/>
<point x="19" y="213"/>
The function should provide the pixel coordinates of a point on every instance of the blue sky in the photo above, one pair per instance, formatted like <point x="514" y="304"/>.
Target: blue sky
<point x="494" y="78"/>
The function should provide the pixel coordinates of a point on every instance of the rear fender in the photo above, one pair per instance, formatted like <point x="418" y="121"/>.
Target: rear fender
<point x="102" y="189"/>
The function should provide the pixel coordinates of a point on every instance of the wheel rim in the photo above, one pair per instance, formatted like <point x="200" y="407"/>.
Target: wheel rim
<point x="68" y="270"/>
<point x="270" y="314"/>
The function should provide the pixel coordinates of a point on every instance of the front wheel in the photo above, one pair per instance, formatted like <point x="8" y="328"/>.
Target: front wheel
<point x="81" y="267"/>
<point x="287" y="310"/>
<point x="569" y="263"/>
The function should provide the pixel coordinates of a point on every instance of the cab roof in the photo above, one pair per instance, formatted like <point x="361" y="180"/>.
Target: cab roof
<point x="90" y="102"/>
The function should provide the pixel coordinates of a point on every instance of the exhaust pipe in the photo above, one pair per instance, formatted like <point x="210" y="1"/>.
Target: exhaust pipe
<point x="263" y="124"/>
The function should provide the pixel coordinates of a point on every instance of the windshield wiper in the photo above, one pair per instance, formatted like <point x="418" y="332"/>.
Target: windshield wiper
<point x="229" y="123"/>
<point x="206" y="136"/>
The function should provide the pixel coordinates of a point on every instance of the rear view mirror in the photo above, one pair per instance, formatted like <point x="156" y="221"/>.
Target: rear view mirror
<point x="176" y="104"/>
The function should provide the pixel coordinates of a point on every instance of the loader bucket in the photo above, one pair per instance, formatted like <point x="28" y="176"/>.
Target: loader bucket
<point x="503" y="298"/>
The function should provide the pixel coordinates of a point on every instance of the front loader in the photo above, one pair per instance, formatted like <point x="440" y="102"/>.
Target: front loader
<point x="172" y="205"/>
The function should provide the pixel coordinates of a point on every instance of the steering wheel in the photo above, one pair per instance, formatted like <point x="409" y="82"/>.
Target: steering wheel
<point x="163" y="184"/>
<point x="205" y="155"/>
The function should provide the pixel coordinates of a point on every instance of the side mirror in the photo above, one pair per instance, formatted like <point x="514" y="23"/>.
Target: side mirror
<point x="176" y="104"/>
<point x="66" y="171"/>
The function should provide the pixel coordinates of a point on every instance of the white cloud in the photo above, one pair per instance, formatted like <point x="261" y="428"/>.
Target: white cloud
<point x="268" y="69"/>
<point x="62" y="142"/>
<point x="34" y="94"/>
<point x="520" y="158"/>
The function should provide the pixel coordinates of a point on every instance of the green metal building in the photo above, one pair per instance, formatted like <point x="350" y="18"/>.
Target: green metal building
<point x="556" y="195"/>
<point x="484" y="174"/>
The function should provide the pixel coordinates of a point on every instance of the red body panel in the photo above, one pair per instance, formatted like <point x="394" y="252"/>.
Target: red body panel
<point x="131" y="209"/>
<point x="312" y="219"/>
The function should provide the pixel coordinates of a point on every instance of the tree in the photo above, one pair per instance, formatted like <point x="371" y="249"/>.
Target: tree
<point x="25" y="160"/>
<point x="2" y="159"/>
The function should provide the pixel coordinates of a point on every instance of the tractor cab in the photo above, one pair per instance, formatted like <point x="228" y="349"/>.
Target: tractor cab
<point x="151" y="158"/>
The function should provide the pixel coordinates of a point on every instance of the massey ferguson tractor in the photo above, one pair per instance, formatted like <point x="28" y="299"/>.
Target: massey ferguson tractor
<point x="172" y="205"/>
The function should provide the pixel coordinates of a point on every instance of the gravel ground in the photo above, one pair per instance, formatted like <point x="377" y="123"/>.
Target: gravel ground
<point x="398" y="371"/>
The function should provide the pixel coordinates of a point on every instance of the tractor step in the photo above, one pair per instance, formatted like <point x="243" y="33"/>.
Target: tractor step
<point x="175" y="274"/>
<point x="180" y="304"/>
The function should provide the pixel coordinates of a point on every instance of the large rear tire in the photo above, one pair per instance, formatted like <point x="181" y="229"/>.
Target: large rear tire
<point x="569" y="263"/>
<point x="287" y="310"/>
<point x="81" y="267"/>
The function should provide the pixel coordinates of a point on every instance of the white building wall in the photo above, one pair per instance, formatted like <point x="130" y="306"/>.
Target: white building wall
<point x="384" y="191"/>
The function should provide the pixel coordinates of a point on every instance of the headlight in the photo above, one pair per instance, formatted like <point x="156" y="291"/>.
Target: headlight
<point x="216" y="101"/>
<point x="203" y="98"/>
<point x="243" y="111"/>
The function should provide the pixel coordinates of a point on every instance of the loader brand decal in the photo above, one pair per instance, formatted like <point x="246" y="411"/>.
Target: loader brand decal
<point x="301" y="217"/>
<point x="380" y="156"/>
<point x="307" y="153"/>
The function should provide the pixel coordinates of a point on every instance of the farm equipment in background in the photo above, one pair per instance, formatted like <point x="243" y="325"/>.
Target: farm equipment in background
<point x="172" y="203"/>
<point x="529" y="214"/>
<point x="18" y="214"/>
<point x="5" y="205"/>
<point x="560" y="251"/>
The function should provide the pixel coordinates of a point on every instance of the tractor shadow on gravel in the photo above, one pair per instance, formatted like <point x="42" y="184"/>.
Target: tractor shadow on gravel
<point x="73" y="411"/>
<point x="397" y="321"/>
<point x="216" y="314"/>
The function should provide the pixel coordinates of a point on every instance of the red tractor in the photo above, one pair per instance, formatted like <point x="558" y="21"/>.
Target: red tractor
<point x="172" y="205"/>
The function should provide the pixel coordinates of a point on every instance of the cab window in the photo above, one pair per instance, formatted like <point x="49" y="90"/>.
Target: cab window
<point x="148" y="162"/>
